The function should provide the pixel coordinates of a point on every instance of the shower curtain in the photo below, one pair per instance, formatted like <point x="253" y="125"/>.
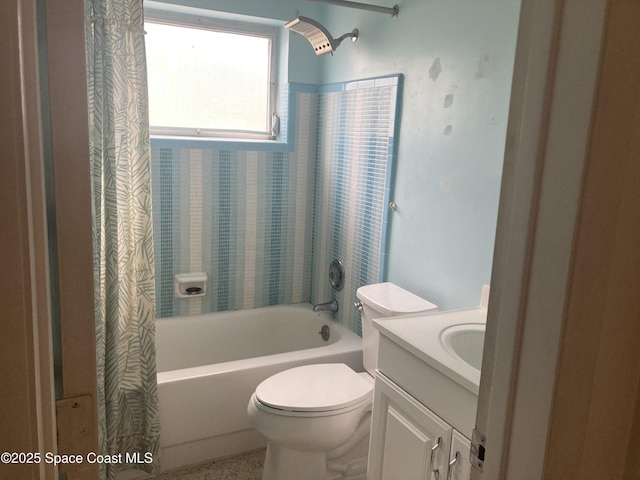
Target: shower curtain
<point x="122" y="233"/>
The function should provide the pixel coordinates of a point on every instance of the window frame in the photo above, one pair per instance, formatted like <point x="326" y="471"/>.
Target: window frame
<point x="205" y="22"/>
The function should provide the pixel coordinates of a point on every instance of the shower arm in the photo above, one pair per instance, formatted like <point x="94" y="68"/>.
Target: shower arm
<point x="393" y="11"/>
<point x="352" y="35"/>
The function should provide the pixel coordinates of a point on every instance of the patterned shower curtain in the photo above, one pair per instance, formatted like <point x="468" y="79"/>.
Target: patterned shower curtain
<point x="122" y="233"/>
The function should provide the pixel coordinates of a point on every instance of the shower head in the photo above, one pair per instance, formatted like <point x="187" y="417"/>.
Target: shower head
<point x="321" y="40"/>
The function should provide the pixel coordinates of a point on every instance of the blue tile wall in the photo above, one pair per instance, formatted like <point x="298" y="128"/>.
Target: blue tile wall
<point x="355" y="150"/>
<point x="264" y="224"/>
<point x="243" y="216"/>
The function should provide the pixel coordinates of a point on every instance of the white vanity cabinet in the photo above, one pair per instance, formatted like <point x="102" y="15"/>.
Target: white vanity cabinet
<point x="417" y="376"/>
<point x="410" y="442"/>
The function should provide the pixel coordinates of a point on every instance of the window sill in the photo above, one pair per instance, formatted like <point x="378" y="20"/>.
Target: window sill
<point x="219" y="143"/>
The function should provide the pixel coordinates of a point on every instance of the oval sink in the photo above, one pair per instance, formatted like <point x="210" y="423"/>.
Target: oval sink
<point x="465" y="342"/>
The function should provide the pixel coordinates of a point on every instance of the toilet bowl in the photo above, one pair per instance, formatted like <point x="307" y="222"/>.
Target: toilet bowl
<point x="316" y="418"/>
<point x="307" y="413"/>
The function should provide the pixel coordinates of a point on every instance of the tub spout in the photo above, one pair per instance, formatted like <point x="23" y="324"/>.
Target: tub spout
<point x="331" y="306"/>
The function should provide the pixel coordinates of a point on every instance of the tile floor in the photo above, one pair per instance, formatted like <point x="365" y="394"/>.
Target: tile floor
<point x="243" y="467"/>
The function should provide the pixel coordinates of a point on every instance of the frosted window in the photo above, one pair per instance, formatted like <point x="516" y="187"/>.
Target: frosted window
<point x="207" y="80"/>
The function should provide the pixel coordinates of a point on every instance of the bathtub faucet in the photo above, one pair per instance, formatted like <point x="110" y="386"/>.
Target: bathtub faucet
<point x="331" y="306"/>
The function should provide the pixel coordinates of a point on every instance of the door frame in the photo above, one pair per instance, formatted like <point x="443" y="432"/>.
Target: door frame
<point x="27" y="412"/>
<point x="541" y="309"/>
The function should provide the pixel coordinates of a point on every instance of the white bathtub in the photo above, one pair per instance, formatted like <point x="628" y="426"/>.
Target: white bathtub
<point x="209" y="365"/>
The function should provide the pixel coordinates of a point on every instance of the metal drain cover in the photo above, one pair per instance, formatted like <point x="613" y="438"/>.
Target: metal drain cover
<point x="325" y="333"/>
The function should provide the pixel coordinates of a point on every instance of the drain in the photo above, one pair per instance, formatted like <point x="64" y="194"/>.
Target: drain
<point x="325" y="332"/>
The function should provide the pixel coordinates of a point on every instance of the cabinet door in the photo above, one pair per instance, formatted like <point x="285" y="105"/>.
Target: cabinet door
<point x="408" y="441"/>
<point x="459" y="464"/>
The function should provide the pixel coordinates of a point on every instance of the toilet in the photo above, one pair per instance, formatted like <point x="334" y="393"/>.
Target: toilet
<point x="317" y="418"/>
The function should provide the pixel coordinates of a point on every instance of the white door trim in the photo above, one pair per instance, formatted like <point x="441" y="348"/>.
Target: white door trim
<point x="556" y="70"/>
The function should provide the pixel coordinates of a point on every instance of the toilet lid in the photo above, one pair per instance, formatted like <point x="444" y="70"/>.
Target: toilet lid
<point x="314" y="388"/>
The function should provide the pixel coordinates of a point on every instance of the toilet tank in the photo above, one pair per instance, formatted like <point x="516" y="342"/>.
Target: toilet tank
<point x="384" y="300"/>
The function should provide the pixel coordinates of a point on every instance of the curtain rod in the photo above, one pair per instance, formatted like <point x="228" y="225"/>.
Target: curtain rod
<point x="393" y="11"/>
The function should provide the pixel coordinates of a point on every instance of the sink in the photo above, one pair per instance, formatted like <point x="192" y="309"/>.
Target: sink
<point x="451" y="342"/>
<point x="465" y="343"/>
<point x="436" y="357"/>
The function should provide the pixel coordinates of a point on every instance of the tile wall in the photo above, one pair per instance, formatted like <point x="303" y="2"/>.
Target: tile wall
<point x="265" y="224"/>
<point x="357" y="125"/>
<point x="241" y="216"/>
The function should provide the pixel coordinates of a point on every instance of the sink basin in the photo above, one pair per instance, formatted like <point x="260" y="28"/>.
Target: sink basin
<point x="437" y="358"/>
<point x="450" y="342"/>
<point x="465" y="342"/>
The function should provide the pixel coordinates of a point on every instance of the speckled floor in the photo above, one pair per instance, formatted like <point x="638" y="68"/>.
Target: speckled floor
<point x="243" y="467"/>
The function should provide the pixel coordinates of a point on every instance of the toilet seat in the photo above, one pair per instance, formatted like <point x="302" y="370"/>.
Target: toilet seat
<point x="329" y="388"/>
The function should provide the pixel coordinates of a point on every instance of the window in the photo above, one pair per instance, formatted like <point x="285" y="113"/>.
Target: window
<point x="208" y="78"/>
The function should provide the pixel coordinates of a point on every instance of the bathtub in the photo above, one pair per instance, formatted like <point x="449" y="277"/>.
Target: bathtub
<point x="209" y="365"/>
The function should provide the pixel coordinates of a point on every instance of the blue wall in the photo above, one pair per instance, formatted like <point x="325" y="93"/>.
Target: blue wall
<point x="457" y="60"/>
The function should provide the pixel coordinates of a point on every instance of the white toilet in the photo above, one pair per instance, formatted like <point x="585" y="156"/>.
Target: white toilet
<point x="317" y="418"/>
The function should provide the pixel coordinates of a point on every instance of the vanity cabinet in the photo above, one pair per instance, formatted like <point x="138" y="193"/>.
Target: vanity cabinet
<point x="418" y="374"/>
<point x="411" y="442"/>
